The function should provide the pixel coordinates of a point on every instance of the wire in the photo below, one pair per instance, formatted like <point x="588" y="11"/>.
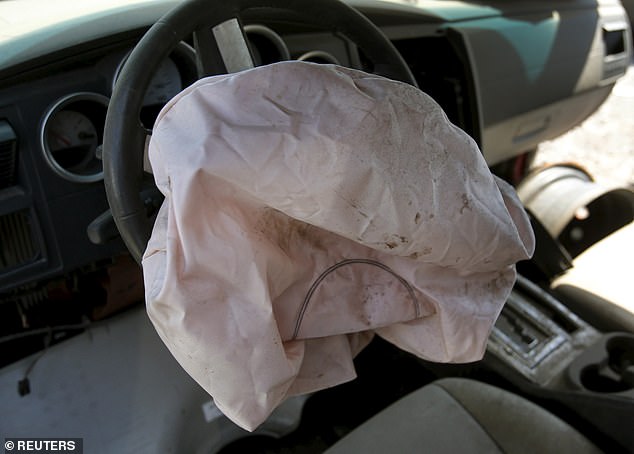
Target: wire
<point x="24" y="385"/>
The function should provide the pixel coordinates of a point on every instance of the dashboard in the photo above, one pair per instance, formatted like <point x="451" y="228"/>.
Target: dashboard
<point x="511" y="74"/>
<point x="54" y="123"/>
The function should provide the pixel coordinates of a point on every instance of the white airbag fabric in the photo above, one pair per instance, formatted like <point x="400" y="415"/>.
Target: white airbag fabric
<point x="308" y="207"/>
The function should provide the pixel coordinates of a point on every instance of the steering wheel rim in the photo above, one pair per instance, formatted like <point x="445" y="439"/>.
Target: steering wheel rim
<point x="125" y="136"/>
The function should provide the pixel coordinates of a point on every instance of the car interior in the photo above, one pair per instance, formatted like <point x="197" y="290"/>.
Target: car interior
<point x="80" y="90"/>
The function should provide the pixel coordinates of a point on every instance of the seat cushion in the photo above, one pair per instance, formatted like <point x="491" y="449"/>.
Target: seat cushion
<point x="459" y="415"/>
<point x="599" y="287"/>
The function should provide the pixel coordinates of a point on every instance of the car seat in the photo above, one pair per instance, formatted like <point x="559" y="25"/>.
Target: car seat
<point x="456" y="415"/>
<point x="599" y="285"/>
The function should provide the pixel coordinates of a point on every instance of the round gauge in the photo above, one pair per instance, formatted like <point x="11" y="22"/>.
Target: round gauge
<point x="165" y="84"/>
<point x="266" y="45"/>
<point x="319" y="56"/>
<point x="175" y="72"/>
<point x="71" y="133"/>
<point x="72" y="138"/>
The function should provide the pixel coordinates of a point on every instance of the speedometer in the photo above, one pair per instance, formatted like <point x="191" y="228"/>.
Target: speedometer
<point x="70" y="135"/>
<point x="72" y="138"/>
<point x="165" y="84"/>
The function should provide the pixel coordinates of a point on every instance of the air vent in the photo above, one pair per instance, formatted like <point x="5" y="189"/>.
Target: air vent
<point x="17" y="245"/>
<point x="614" y="40"/>
<point x="616" y="49"/>
<point x="8" y="155"/>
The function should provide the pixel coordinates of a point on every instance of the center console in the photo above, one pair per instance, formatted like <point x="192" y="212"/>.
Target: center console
<point x="606" y="367"/>
<point x="557" y="358"/>
<point x="538" y="336"/>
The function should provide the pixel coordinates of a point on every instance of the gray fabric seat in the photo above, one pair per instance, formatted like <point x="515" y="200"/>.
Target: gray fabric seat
<point x="463" y="416"/>
<point x="599" y="286"/>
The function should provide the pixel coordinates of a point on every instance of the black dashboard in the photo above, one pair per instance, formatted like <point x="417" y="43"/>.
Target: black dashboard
<point x="51" y="129"/>
<point x="511" y="74"/>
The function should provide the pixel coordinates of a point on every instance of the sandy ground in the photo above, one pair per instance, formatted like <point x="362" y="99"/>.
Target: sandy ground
<point x="604" y="143"/>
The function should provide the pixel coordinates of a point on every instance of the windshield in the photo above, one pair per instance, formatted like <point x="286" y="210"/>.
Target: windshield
<point x="18" y="17"/>
<point x="32" y="28"/>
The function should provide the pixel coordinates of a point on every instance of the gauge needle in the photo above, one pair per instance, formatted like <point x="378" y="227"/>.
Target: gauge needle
<point x="61" y="138"/>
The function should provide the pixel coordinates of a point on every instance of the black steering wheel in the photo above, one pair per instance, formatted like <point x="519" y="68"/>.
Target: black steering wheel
<point x="219" y="40"/>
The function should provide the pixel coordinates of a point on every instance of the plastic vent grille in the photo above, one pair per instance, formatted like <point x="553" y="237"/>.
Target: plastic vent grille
<point x="17" y="246"/>
<point x="8" y="155"/>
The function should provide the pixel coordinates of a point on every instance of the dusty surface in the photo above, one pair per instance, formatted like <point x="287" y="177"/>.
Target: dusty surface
<point x="604" y="143"/>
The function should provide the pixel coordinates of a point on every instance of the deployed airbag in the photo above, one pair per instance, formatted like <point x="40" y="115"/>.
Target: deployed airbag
<point x="308" y="207"/>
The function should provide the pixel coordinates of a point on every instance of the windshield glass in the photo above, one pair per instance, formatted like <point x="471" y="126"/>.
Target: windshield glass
<point x="32" y="28"/>
<point x="18" y="17"/>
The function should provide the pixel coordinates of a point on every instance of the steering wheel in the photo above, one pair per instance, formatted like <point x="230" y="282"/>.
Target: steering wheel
<point x="220" y="43"/>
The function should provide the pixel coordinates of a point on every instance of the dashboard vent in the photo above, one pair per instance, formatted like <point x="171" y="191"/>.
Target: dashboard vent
<point x="8" y="155"/>
<point x="16" y="239"/>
